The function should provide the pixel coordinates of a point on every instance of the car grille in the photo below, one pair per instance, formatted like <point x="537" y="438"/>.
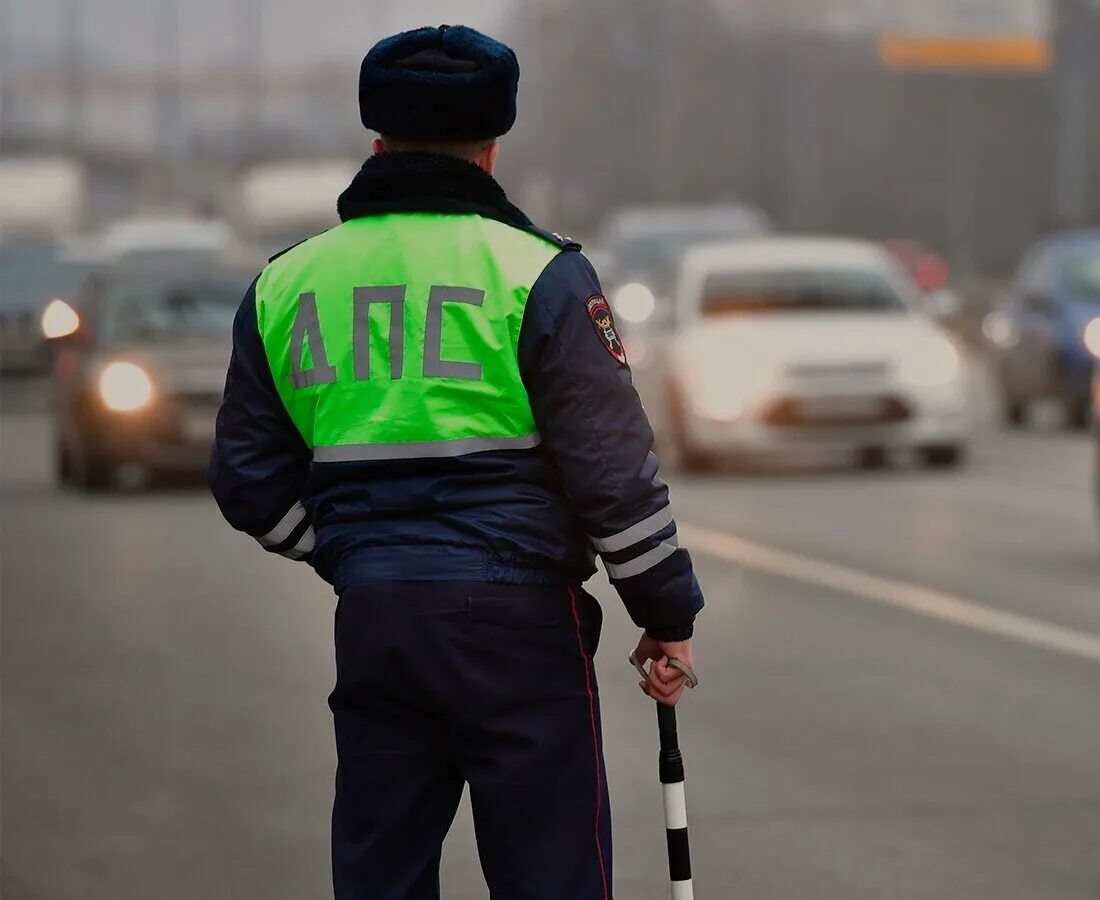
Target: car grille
<point x="869" y="369"/>
<point x="831" y="412"/>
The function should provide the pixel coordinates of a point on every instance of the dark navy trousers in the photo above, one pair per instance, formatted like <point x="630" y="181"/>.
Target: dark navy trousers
<point x="450" y="683"/>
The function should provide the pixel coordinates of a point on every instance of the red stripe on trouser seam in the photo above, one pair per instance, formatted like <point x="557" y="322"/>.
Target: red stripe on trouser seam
<point x="595" y="736"/>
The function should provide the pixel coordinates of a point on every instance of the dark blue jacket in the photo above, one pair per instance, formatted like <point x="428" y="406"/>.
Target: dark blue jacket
<point x="520" y="516"/>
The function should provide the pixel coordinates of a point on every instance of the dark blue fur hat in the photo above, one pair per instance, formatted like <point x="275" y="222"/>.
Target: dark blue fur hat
<point x="450" y="83"/>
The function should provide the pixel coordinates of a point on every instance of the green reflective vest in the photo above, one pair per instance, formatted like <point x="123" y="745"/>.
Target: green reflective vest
<point x="396" y="335"/>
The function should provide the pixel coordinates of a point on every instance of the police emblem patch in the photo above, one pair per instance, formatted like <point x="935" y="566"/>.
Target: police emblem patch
<point x="604" y="322"/>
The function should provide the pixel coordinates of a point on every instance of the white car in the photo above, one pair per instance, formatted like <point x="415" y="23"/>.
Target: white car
<point x="166" y="237"/>
<point x="790" y="345"/>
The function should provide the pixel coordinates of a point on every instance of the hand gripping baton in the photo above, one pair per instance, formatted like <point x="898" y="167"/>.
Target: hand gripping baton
<point x="670" y="768"/>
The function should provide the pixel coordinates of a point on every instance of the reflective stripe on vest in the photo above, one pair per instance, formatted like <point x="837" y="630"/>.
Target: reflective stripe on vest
<point x="395" y="336"/>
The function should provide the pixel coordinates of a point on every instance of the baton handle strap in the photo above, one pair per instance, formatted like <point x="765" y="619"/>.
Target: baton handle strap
<point x="693" y="679"/>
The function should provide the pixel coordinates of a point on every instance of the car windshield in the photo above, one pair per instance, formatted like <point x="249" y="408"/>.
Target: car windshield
<point x="645" y="253"/>
<point x="1083" y="274"/>
<point x="836" y="290"/>
<point x="164" y="310"/>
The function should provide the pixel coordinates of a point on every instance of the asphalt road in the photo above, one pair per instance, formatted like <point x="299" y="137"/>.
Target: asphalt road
<point x="901" y="691"/>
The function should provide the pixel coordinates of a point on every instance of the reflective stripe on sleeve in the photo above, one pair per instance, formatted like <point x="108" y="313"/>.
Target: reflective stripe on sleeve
<point x="305" y="545"/>
<point x="639" y="531"/>
<point x="286" y="526"/>
<point x="643" y="563"/>
<point x="422" y="449"/>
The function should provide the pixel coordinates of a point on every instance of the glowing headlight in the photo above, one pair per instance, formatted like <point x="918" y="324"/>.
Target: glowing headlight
<point x="634" y="303"/>
<point x="125" y="387"/>
<point x="1092" y="337"/>
<point x="59" y="320"/>
<point x="936" y="364"/>
<point x="999" y="329"/>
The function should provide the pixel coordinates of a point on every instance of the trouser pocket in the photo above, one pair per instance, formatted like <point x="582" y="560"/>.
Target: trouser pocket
<point x="532" y="641"/>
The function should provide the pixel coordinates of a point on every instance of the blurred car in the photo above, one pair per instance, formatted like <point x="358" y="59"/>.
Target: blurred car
<point x="930" y="272"/>
<point x="643" y="244"/>
<point x="139" y="377"/>
<point x="1096" y="435"/>
<point x="166" y="239"/>
<point x="787" y="346"/>
<point x="927" y="268"/>
<point x="33" y="273"/>
<point x="41" y="201"/>
<point x="1046" y="334"/>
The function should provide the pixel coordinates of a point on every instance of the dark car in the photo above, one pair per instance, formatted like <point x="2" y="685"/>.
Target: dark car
<point x="33" y="272"/>
<point x="644" y="243"/>
<point x="1096" y="436"/>
<point x="140" y="379"/>
<point x="1047" y="334"/>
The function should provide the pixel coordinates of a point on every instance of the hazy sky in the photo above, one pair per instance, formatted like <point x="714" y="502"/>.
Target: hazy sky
<point x="210" y="33"/>
<point x="305" y="32"/>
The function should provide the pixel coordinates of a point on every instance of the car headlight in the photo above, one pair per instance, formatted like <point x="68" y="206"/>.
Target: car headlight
<point x="1000" y="330"/>
<point x="125" y="387"/>
<point x="716" y="405"/>
<point x="59" y="320"/>
<point x="934" y="364"/>
<point x="634" y="303"/>
<point x="1091" y="337"/>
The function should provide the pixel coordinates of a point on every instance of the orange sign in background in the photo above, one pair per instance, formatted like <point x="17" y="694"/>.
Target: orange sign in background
<point x="993" y="54"/>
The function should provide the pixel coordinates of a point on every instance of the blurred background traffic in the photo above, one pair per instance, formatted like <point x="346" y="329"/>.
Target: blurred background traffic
<point x="854" y="250"/>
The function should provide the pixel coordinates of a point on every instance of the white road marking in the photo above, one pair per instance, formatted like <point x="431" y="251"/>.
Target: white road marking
<point x="890" y="592"/>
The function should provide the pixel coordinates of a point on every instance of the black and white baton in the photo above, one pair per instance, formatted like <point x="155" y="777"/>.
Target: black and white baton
<point x="670" y="768"/>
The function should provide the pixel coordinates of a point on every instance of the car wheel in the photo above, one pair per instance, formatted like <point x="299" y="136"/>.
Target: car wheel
<point x="692" y="460"/>
<point x="92" y="469"/>
<point x="942" y="456"/>
<point x="871" y="458"/>
<point x="1015" y="413"/>
<point x="689" y="458"/>
<point x="1078" y="414"/>
<point x="62" y="462"/>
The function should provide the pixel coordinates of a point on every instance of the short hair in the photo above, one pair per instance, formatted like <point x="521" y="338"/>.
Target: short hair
<point x="468" y="150"/>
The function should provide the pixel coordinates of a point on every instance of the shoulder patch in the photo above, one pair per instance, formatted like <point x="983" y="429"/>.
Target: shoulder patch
<point x="599" y="312"/>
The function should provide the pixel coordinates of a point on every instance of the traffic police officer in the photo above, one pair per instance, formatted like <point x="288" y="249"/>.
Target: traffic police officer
<point x="430" y="404"/>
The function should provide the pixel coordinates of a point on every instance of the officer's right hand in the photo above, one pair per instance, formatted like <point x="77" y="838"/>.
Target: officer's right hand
<point x="665" y="683"/>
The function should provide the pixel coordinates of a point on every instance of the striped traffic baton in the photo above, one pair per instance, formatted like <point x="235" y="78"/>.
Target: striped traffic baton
<point x="670" y="768"/>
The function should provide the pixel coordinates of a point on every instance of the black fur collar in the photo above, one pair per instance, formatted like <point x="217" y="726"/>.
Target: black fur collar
<point x="426" y="182"/>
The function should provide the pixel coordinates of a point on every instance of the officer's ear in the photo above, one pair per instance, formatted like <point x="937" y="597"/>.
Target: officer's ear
<point x="487" y="159"/>
<point x="378" y="146"/>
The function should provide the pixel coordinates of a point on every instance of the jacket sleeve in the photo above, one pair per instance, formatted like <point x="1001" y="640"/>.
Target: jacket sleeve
<point x="260" y="462"/>
<point x="595" y="430"/>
